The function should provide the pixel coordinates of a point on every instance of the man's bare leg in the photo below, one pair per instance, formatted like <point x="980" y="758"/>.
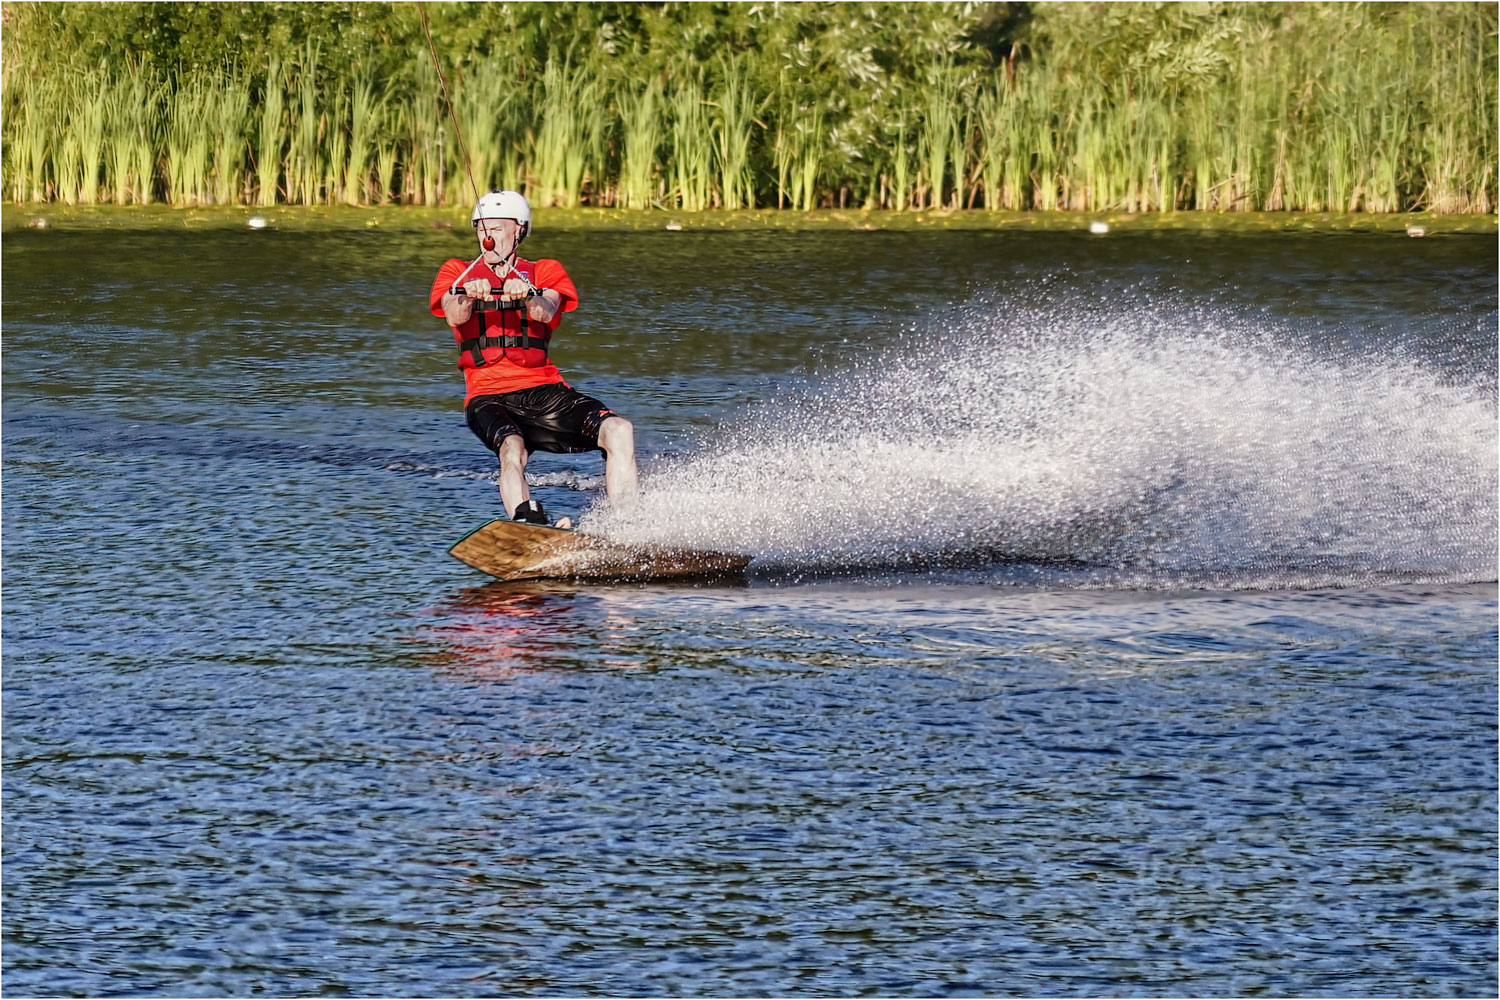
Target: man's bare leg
<point x="617" y="438"/>
<point x="513" y="488"/>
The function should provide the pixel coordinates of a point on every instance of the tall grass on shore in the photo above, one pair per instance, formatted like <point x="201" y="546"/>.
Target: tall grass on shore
<point x="89" y="124"/>
<point x="27" y="139"/>
<point x="568" y="146"/>
<point x="304" y="172"/>
<point x="387" y="147"/>
<point x="365" y="113"/>
<point x="692" y="145"/>
<point x="228" y="112"/>
<point x="271" y="135"/>
<point x="808" y="138"/>
<point x="480" y="104"/>
<point x="939" y="134"/>
<point x="900" y="170"/>
<point x="426" y="129"/>
<point x="1128" y="107"/>
<point x="188" y="142"/>
<point x="641" y="131"/>
<point x="734" y="110"/>
<point x="78" y="164"/>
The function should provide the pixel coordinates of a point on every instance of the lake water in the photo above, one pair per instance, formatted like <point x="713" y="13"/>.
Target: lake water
<point x="1122" y="622"/>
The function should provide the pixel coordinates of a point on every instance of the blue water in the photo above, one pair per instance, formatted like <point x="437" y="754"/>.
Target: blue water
<point x="1123" y="622"/>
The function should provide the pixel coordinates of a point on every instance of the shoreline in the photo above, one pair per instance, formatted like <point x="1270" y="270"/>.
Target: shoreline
<point x="312" y="218"/>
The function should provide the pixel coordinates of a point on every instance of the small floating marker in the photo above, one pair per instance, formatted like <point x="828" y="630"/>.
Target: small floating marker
<point x="674" y="227"/>
<point x="1416" y="231"/>
<point x="371" y="223"/>
<point x="1099" y="228"/>
<point x="37" y="224"/>
<point x="258" y="222"/>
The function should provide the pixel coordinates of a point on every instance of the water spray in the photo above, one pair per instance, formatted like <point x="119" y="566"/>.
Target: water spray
<point x="1112" y="445"/>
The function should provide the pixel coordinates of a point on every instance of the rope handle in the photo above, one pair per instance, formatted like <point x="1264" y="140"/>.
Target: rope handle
<point x="532" y="292"/>
<point x="497" y="305"/>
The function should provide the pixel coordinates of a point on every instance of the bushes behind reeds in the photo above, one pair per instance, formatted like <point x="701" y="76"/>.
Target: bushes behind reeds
<point x="1114" y="107"/>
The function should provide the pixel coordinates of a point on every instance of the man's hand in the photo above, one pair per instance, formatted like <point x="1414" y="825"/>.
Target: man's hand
<point x="479" y="288"/>
<point x="459" y="308"/>
<point x="514" y="288"/>
<point x="544" y="306"/>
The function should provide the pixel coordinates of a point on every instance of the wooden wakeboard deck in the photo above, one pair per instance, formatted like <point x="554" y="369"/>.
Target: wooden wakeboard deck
<point x="515" y="550"/>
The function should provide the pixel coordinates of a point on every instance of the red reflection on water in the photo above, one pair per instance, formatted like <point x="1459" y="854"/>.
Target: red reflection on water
<point x="497" y="631"/>
<point x="500" y="630"/>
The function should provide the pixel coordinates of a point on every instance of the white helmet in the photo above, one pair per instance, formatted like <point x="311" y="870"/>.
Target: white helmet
<point x="504" y="205"/>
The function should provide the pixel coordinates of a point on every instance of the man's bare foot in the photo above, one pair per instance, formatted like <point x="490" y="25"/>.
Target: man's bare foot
<point x="564" y="522"/>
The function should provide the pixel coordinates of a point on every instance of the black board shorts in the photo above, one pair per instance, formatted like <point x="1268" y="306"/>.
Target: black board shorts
<point x="556" y="418"/>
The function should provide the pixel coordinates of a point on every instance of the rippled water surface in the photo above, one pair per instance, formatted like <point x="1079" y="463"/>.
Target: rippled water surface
<point x="1122" y="622"/>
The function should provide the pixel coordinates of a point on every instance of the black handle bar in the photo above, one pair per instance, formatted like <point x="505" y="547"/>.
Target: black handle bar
<point x="494" y="305"/>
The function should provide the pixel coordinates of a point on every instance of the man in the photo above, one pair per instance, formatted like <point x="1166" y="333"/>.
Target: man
<point x="503" y="311"/>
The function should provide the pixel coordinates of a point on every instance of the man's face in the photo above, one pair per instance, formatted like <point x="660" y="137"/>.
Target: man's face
<point x="504" y="232"/>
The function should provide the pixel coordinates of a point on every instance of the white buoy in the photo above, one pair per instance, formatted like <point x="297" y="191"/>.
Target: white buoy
<point x="37" y="224"/>
<point x="1098" y="228"/>
<point x="674" y="226"/>
<point x="1416" y="231"/>
<point x="258" y="222"/>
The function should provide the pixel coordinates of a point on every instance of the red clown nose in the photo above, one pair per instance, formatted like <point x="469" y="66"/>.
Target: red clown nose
<point x="488" y="243"/>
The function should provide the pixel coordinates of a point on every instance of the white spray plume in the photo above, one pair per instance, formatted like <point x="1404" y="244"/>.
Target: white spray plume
<point x="1138" y="446"/>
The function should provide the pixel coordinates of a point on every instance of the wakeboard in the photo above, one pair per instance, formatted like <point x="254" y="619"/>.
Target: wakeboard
<point x="516" y="550"/>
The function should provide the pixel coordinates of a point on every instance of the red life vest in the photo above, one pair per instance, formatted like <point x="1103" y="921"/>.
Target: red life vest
<point x="501" y="329"/>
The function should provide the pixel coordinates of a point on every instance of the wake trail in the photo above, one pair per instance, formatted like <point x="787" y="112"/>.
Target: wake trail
<point x="1130" y="446"/>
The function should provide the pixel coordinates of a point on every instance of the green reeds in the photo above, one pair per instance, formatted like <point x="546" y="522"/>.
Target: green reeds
<point x="304" y="168"/>
<point x="992" y="113"/>
<point x="482" y="103"/>
<point x="365" y="111"/>
<point x="91" y="121"/>
<point x="640" y="124"/>
<point x="188" y="143"/>
<point x="939" y="127"/>
<point x="901" y="168"/>
<point x="335" y="163"/>
<point x="1043" y="137"/>
<point x="784" y="147"/>
<point x="692" y="146"/>
<point x="425" y="132"/>
<point x="960" y="141"/>
<point x="1220" y="107"/>
<point x="808" y="162"/>
<point x="585" y="168"/>
<point x="133" y="100"/>
<point x="228" y="114"/>
<point x="271" y="135"/>
<point x="78" y="158"/>
<point x="1455" y="175"/>
<point x="67" y="161"/>
<point x="28" y="145"/>
<point x="387" y="152"/>
<point x="567" y="142"/>
<point x="734" y="109"/>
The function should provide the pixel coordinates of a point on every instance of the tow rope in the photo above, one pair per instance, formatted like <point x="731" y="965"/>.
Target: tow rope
<point x="489" y="241"/>
<point x="442" y="79"/>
